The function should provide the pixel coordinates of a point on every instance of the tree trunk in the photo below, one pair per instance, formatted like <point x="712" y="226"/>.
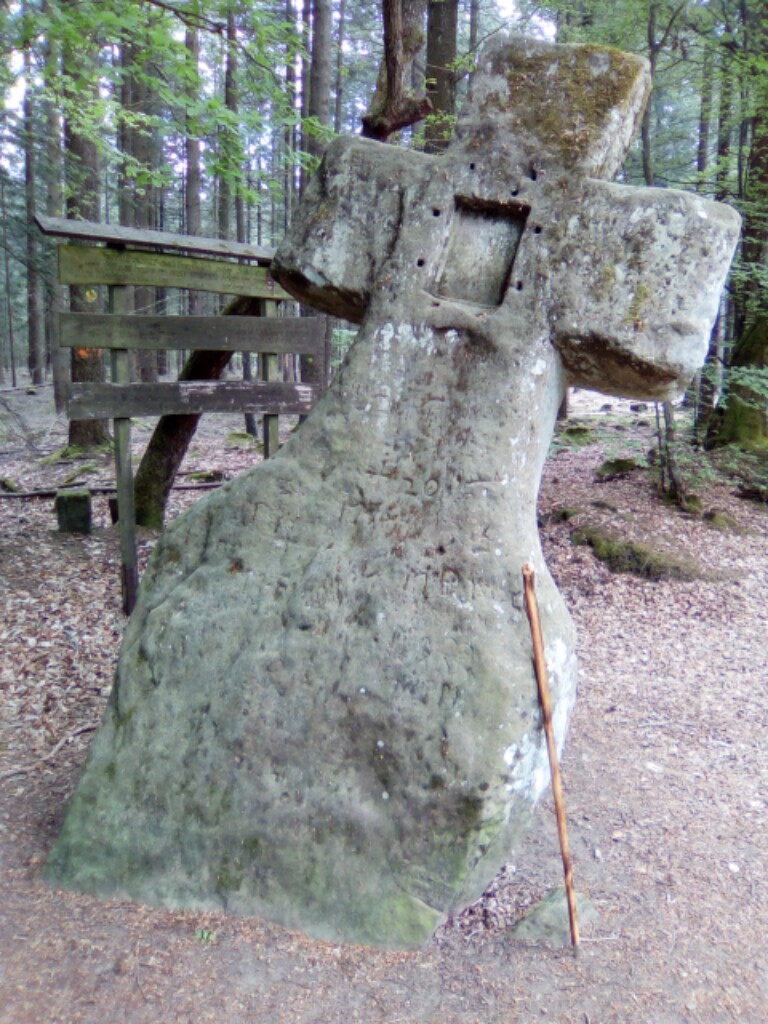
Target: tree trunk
<point x="137" y="202"/>
<point x="83" y="203"/>
<point x="646" y="134"/>
<point x="318" y="108"/>
<point x="724" y="127"/>
<point x="742" y="419"/>
<point x="8" y="287"/>
<point x="319" y="100"/>
<point x="227" y="141"/>
<point x="743" y="416"/>
<point x="394" y="106"/>
<point x="442" y="28"/>
<point x="339" y="97"/>
<point x="676" y="489"/>
<point x="289" y="131"/>
<point x="474" y="24"/>
<point x="705" y="112"/>
<point x="35" y="341"/>
<point x="192" y="209"/>
<point x="53" y="207"/>
<point x="705" y="387"/>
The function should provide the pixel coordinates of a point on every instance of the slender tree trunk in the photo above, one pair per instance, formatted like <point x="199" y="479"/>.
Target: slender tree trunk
<point x="227" y="143"/>
<point x="54" y="167"/>
<point x="35" y="340"/>
<point x="319" y="101"/>
<point x="708" y="380"/>
<point x="8" y="288"/>
<point x="139" y="205"/>
<point x="229" y="197"/>
<point x="724" y="127"/>
<point x="192" y="207"/>
<point x="319" y="109"/>
<point x="339" y="97"/>
<point x="706" y="88"/>
<point x="474" y="25"/>
<point x="289" y="132"/>
<point x="394" y="105"/>
<point x="83" y="203"/>
<point x="646" y="134"/>
<point x="442" y="28"/>
<point x="676" y="488"/>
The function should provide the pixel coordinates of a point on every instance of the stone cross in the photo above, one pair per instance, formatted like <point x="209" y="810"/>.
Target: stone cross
<point x="325" y="709"/>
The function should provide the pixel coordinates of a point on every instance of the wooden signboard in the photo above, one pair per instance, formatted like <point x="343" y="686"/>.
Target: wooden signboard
<point x="127" y="256"/>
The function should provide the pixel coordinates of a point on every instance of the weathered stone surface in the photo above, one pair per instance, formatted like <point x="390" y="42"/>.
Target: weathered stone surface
<point x="325" y="709"/>
<point x="548" y="922"/>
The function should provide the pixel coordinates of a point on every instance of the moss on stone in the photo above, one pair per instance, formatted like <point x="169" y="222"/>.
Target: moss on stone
<point x="562" y="515"/>
<point x="229" y="876"/>
<point x="569" y="119"/>
<point x="615" y="469"/>
<point x="573" y="435"/>
<point x="722" y="521"/>
<point x="633" y="557"/>
<point x="638" y="305"/>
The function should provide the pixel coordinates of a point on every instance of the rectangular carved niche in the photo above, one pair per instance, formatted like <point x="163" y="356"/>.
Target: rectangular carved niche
<point x="480" y="251"/>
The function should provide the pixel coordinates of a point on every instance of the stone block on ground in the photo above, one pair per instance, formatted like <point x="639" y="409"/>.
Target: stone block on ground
<point x="73" y="510"/>
<point x="548" y="922"/>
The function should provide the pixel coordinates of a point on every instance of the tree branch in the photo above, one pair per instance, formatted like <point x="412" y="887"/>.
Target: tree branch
<point x="26" y="769"/>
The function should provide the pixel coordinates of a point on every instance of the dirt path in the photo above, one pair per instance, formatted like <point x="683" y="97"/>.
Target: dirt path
<point x="665" y="775"/>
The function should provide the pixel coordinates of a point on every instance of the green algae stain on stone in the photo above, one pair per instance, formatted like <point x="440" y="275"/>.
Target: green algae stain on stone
<point x="593" y="83"/>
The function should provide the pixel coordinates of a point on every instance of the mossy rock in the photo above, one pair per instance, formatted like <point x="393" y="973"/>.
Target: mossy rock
<point x="631" y="556"/>
<point x="573" y="435"/>
<point x="722" y="521"/>
<point x="753" y="492"/>
<point x="692" y="504"/>
<point x="548" y="922"/>
<point x="563" y="515"/>
<point x="558" y="515"/>
<point x="615" y="469"/>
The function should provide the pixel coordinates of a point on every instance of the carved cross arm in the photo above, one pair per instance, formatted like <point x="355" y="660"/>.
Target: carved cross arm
<point x="351" y="216"/>
<point x="636" y="283"/>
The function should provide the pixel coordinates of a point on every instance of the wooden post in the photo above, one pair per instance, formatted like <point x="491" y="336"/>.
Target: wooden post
<point x="270" y="365"/>
<point x="540" y="665"/>
<point x="123" y="469"/>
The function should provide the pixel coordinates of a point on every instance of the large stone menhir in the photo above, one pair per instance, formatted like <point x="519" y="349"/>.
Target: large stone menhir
<point x="325" y="709"/>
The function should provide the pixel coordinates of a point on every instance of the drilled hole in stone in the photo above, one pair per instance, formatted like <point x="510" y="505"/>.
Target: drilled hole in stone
<point x="420" y="262"/>
<point x="436" y="212"/>
<point x="532" y="174"/>
<point x="537" y="229"/>
<point x="519" y="285"/>
<point x="471" y="167"/>
<point x="516" y="192"/>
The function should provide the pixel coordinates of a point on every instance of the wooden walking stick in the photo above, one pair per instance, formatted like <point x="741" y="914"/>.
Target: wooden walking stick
<point x="532" y="610"/>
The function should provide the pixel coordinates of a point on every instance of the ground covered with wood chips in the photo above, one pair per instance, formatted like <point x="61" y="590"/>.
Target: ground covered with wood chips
<point x="665" y="776"/>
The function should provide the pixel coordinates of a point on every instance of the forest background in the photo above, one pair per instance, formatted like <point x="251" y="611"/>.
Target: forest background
<point x="206" y="118"/>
